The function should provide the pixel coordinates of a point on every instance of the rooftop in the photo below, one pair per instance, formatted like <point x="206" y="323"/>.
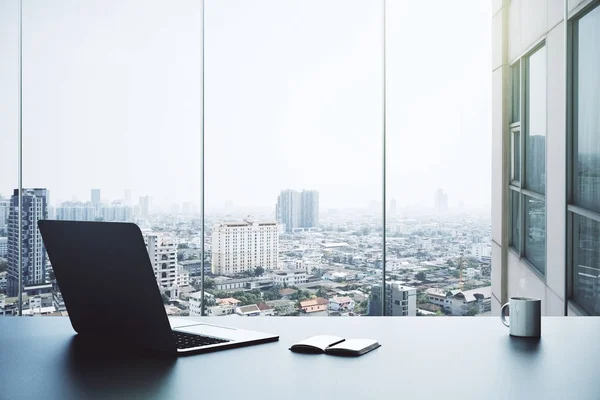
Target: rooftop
<point x="319" y="301"/>
<point x="341" y="299"/>
<point x="249" y="309"/>
<point x="228" y="301"/>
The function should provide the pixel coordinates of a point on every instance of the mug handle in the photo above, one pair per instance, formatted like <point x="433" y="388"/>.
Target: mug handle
<point x="503" y="316"/>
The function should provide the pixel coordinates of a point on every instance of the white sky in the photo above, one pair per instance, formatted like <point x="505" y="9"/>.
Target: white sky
<point x="112" y="99"/>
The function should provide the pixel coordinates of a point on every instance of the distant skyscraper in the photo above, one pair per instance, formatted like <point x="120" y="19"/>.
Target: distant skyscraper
<point x="96" y="197"/>
<point x="298" y="209"/>
<point x="309" y="209"/>
<point x="392" y="208"/>
<point x="34" y="208"/>
<point x="289" y="209"/>
<point x="96" y="202"/>
<point x="116" y="212"/>
<point x="441" y="201"/>
<point x="244" y="245"/>
<point x="4" y="210"/>
<point x="144" y="206"/>
<point x="127" y="197"/>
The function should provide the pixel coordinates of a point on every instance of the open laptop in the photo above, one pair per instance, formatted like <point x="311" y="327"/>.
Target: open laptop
<point x="108" y="285"/>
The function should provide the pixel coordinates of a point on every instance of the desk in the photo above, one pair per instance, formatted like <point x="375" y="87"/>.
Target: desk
<point x="421" y="357"/>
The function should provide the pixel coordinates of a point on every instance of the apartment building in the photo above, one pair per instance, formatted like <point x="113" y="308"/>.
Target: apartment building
<point x="244" y="245"/>
<point x="546" y="154"/>
<point x="76" y="211"/>
<point x="34" y="207"/>
<point x="401" y="300"/>
<point x="290" y="277"/>
<point x="298" y="210"/>
<point x="3" y="247"/>
<point x="163" y="255"/>
<point x="462" y="302"/>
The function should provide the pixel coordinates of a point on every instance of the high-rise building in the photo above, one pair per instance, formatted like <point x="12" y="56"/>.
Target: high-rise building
<point x="392" y="208"/>
<point x="3" y="247"/>
<point x="116" y="212"/>
<point x="34" y="207"/>
<point x="127" y="197"/>
<point x="76" y="211"/>
<point x="289" y="209"/>
<point x="309" y="209"/>
<point x="144" y="206"/>
<point x="4" y="210"/>
<point x="163" y="256"/>
<point x="298" y="210"/>
<point x="401" y="300"/>
<point x="441" y="201"/>
<point x="244" y="245"/>
<point x="96" y="197"/>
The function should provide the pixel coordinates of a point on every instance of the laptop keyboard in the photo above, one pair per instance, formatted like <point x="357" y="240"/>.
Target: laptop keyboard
<point x="189" y="340"/>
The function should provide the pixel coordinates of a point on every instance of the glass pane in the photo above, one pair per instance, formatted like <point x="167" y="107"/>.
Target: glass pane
<point x="586" y="261"/>
<point x="515" y="78"/>
<point x="438" y="226"/>
<point x="535" y="233"/>
<point x="9" y="104"/>
<point x="293" y="171"/>
<point x="535" y="145"/>
<point x="515" y="223"/>
<point x="112" y="130"/>
<point x="587" y="165"/>
<point x="516" y="156"/>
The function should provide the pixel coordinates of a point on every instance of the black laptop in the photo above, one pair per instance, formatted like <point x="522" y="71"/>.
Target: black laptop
<point x="110" y="292"/>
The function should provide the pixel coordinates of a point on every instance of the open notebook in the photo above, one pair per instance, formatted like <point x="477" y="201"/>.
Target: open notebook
<point x="335" y="345"/>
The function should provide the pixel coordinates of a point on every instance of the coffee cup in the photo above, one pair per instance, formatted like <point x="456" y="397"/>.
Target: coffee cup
<point x="525" y="316"/>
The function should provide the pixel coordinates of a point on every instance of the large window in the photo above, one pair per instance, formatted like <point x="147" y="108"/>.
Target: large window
<point x="293" y="170"/>
<point x="285" y="168"/>
<point x="438" y="224"/>
<point x="527" y="173"/>
<point x="584" y="208"/>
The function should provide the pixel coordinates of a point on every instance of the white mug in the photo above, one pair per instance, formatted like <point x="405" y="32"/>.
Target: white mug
<point x="525" y="319"/>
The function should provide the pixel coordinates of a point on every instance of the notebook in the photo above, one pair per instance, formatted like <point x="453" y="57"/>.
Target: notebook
<point x="335" y="345"/>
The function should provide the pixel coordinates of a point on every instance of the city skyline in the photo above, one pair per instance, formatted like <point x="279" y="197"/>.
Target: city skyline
<point x="372" y="206"/>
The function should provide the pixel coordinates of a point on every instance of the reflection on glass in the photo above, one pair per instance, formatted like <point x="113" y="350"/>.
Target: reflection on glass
<point x="535" y="233"/>
<point x="586" y="261"/>
<point x="535" y="145"/>
<point x="516" y="156"/>
<point x="587" y="166"/>
<point x="515" y="77"/>
<point x="515" y="237"/>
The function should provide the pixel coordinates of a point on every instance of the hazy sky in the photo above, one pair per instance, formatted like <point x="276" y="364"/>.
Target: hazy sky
<point x="112" y="99"/>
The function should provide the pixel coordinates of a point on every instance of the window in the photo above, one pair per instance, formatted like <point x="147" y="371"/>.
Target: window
<point x="292" y="85"/>
<point x="584" y="204"/>
<point x="527" y="174"/>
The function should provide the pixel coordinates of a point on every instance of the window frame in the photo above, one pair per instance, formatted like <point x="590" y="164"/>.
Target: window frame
<point x="573" y="210"/>
<point x="518" y="186"/>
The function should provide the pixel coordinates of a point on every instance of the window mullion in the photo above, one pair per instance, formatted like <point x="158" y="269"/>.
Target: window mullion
<point x="522" y="224"/>
<point x="522" y="83"/>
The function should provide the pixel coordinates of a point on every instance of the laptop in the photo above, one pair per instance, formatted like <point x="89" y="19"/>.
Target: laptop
<point x="108" y="285"/>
